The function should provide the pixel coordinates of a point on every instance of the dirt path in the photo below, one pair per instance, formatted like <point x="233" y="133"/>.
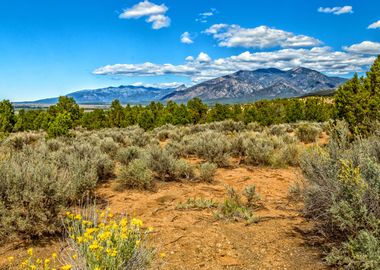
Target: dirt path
<point x="196" y="240"/>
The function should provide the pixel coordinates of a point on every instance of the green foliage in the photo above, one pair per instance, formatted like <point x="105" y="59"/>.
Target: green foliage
<point x="7" y="116"/>
<point x="60" y="126"/>
<point x="37" y="184"/>
<point x="343" y="197"/>
<point x="207" y="172"/>
<point x="136" y="175"/>
<point x="233" y="208"/>
<point x="358" y="100"/>
<point x="197" y="204"/>
<point x="308" y="133"/>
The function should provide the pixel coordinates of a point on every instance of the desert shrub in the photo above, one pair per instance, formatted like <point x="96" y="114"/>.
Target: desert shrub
<point x="361" y="252"/>
<point x="126" y="155"/>
<point x="233" y="208"/>
<point x="38" y="183"/>
<point x="308" y="133"/>
<point x="260" y="150"/>
<point x="295" y="192"/>
<point x="175" y="148"/>
<point x="19" y="140"/>
<point x="109" y="146"/>
<point x="279" y="130"/>
<point x="102" y="241"/>
<point x="197" y="204"/>
<point x="136" y="175"/>
<point x="289" y="154"/>
<point x="212" y="146"/>
<point x="226" y="126"/>
<point x="343" y="196"/>
<point x="163" y="135"/>
<point x="166" y="166"/>
<point x="254" y="126"/>
<point x="162" y="163"/>
<point x="183" y="170"/>
<point x="251" y="196"/>
<point x="238" y="145"/>
<point x="207" y="172"/>
<point x="139" y="137"/>
<point x="54" y="145"/>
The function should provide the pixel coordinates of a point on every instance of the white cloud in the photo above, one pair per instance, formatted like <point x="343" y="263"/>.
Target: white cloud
<point x="336" y="10"/>
<point x="189" y="58"/>
<point x="365" y="47"/>
<point x="159" y="85"/>
<point x="186" y="38"/>
<point x="259" y="37"/>
<point x="203" y="17"/>
<point x="155" y="13"/>
<point x="203" y="58"/>
<point x="375" y="25"/>
<point x="323" y="59"/>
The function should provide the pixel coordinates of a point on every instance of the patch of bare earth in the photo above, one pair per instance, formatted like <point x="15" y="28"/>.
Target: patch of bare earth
<point x="197" y="240"/>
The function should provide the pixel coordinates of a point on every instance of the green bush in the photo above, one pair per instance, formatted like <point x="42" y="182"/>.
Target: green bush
<point x="126" y="155"/>
<point x="60" y="126"/>
<point x="207" y="172"/>
<point x="308" y="133"/>
<point x="136" y="175"/>
<point x="212" y="146"/>
<point x="343" y="196"/>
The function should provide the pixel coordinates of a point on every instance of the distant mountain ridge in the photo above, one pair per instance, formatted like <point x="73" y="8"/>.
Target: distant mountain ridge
<point x="260" y="84"/>
<point x="241" y="86"/>
<point x="124" y="93"/>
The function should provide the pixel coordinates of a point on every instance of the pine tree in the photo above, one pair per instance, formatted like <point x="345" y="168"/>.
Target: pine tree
<point x="358" y="100"/>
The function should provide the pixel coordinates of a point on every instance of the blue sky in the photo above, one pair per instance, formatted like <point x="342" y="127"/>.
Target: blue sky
<point x="51" y="48"/>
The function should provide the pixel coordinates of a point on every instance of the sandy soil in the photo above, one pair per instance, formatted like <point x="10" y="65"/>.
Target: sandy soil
<point x="197" y="240"/>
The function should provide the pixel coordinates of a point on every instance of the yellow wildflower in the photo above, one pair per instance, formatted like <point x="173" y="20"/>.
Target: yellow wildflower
<point x="30" y="252"/>
<point x="54" y="255"/>
<point x="11" y="259"/>
<point x="66" y="267"/>
<point x="137" y="222"/>
<point x="162" y="255"/>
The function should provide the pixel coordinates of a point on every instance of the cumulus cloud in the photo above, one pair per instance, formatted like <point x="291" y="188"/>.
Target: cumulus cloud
<point x="375" y="25"/>
<point x="159" y="85"/>
<point x="202" y="68"/>
<point x="203" y="17"/>
<point x="259" y="37"/>
<point x="155" y="14"/>
<point x="203" y="58"/>
<point x="365" y="47"/>
<point x="336" y="10"/>
<point x="186" y="38"/>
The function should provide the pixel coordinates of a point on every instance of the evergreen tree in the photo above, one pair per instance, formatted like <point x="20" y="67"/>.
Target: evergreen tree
<point x="358" y="100"/>
<point x="7" y="116"/>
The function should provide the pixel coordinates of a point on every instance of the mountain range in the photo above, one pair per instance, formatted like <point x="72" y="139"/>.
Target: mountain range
<point x="260" y="84"/>
<point x="240" y="86"/>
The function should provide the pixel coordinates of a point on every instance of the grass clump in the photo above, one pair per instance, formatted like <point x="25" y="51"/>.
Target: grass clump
<point x="233" y="208"/>
<point x="197" y="204"/>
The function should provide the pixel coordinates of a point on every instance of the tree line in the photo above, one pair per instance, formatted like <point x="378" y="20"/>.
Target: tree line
<point x="58" y="119"/>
